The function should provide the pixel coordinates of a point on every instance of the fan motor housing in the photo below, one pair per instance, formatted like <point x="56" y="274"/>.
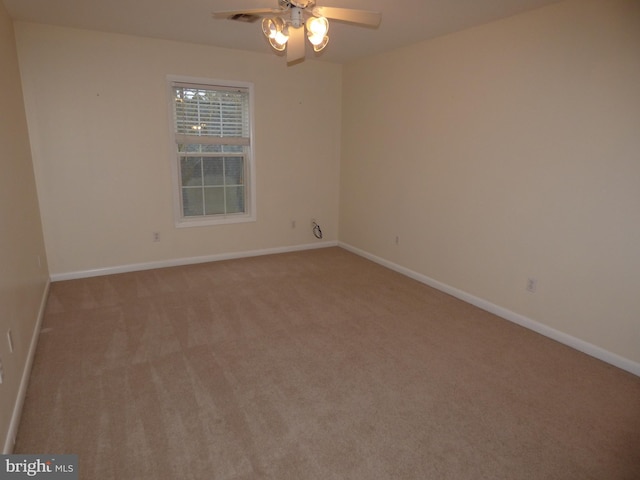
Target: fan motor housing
<point x="296" y="3"/>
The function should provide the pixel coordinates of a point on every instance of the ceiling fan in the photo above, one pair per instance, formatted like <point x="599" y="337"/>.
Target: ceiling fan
<point x="285" y="25"/>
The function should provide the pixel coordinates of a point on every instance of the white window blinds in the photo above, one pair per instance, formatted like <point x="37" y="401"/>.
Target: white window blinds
<point x="211" y="115"/>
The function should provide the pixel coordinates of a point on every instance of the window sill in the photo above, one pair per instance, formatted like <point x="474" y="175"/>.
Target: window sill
<point x="218" y="220"/>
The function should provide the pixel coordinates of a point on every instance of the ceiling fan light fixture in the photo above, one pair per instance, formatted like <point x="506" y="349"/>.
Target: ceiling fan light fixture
<point x="285" y="26"/>
<point x="268" y="27"/>
<point x="318" y="47"/>
<point x="317" y="26"/>
<point x="275" y="30"/>
<point x="279" y="45"/>
<point x="314" y="39"/>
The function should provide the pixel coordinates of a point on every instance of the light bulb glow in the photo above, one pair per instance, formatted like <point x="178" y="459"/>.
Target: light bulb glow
<point x="317" y="26"/>
<point x="281" y="38"/>
<point x="319" y="46"/>
<point x="275" y="30"/>
<point x="316" y="39"/>
<point x="268" y="28"/>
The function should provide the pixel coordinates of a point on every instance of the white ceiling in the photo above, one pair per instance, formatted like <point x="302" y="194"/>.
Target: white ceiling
<point x="403" y="21"/>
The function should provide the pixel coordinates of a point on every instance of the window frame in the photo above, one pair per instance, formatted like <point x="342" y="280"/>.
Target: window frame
<point x="250" y="177"/>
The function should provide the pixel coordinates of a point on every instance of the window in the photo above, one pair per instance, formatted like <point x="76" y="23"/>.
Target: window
<point x="212" y="152"/>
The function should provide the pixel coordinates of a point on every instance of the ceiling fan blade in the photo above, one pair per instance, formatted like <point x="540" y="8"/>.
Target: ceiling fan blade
<point x="363" y="17"/>
<point x="295" y="45"/>
<point x="251" y="11"/>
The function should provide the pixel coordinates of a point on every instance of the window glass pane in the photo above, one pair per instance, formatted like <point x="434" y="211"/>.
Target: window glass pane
<point x="235" y="199"/>
<point x="192" y="202"/>
<point x="212" y="148"/>
<point x="213" y="171"/>
<point x="214" y="200"/>
<point x="191" y="171"/>
<point x="232" y="148"/>
<point x="234" y="170"/>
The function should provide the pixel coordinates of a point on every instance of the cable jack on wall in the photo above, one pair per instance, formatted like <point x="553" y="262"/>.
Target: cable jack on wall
<point x="317" y="232"/>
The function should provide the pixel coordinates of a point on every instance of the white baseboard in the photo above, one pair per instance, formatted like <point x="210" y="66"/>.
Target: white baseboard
<point x="187" y="261"/>
<point x="564" y="338"/>
<point x="24" y="381"/>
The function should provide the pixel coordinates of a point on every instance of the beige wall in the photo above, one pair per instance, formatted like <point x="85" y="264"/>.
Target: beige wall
<point x="98" y="118"/>
<point x="22" y="281"/>
<point x="503" y="152"/>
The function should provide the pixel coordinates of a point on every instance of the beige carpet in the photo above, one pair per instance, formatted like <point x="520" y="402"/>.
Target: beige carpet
<point x="314" y="365"/>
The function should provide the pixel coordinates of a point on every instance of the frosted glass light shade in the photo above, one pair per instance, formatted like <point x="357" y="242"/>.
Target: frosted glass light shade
<point x="275" y="30"/>
<point x="319" y="46"/>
